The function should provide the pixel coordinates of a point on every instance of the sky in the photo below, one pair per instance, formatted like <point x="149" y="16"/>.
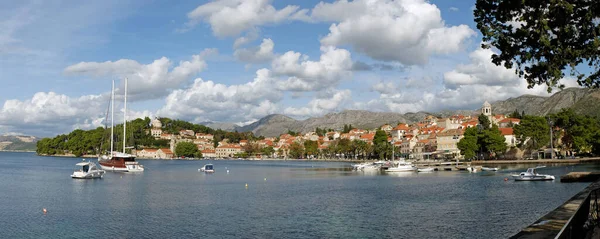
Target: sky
<point x="240" y="60"/>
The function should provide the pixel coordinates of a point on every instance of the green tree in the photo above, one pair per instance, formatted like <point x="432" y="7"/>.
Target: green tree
<point x="296" y="150"/>
<point x="268" y="151"/>
<point x="579" y="130"/>
<point x="468" y="144"/>
<point x="492" y="141"/>
<point x="186" y="149"/>
<point x="550" y="37"/>
<point x="311" y="148"/>
<point x="382" y="148"/>
<point x="484" y="121"/>
<point x="532" y="132"/>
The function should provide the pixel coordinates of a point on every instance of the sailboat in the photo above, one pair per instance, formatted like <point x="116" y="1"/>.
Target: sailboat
<point x="119" y="161"/>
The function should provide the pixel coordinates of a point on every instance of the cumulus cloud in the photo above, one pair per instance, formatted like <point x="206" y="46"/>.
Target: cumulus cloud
<point x="327" y="101"/>
<point x="305" y="75"/>
<point x="151" y="81"/>
<point x="229" y="18"/>
<point x="49" y="111"/>
<point x="210" y="101"/>
<point x="261" y="54"/>
<point x="408" y="32"/>
<point x="384" y="87"/>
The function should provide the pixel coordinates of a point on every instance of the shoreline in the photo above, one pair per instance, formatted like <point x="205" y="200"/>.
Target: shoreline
<point x="479" y="162"/>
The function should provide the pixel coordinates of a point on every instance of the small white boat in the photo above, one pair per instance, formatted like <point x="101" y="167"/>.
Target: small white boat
<point x="402" y="167"/>
<point x="207" y="168"/>
<point x="425" y="170"/>
<point x="488" y="169"/>
<point x="532" y="175"/>
<point x="87" y="170"/>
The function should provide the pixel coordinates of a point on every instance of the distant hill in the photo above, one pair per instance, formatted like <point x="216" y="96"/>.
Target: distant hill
<point x="583" y="101"/>
<point x="18" y="143"/>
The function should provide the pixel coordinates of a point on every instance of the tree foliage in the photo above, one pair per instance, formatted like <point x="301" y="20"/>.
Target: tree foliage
<point x="186" y="149"/>
<point x="542" y="39"/>
<point x="532" y="132"/>
<point x="468" y="144"/>
<point x="484" y="121"/>
<point x="579" y="131"/>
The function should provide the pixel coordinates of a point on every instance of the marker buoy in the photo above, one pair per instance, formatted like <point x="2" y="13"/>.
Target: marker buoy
<point x="246" y="185"/>
<point x="227" y="170"/>
<point x="265" y="179"/>
<point x="505" y="179"/>
<point x="44" y="210"/>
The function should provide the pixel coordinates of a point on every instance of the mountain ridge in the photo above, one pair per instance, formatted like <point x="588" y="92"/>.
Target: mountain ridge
<point x="582" y="100"/>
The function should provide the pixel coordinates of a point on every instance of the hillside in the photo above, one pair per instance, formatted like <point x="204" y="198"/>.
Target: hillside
<point x="18" y="143"/>
<point x="584" y="101"/>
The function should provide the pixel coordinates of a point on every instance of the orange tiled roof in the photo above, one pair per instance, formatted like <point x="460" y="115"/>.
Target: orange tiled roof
<point x="506" y="131"/>
<point x="166" y="151"/>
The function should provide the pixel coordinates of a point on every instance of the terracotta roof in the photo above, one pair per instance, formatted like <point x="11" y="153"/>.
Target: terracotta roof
<point x="506" y="131"/>
<point x="368" y="136"/>
<point x="507" y="120"/>
<point x="451" y="132"/>
<point x="401" y="127"/>
<point x="229" y="146"/>
<point x="166" y="151"/>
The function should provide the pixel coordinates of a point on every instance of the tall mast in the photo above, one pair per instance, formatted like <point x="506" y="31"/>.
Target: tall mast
<point x="112" y="117"/>
<point x="125" y="118"/>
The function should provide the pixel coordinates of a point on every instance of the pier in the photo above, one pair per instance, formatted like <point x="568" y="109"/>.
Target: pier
<point x="579" y="217"/>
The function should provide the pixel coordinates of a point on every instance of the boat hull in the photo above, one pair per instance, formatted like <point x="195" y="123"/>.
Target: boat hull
<point x="533" y="178"/>
<point x="91" y="175"/>
<point x="425" y="170"/>
<point x="394" y="170"/>
<point x="489" y="169"/>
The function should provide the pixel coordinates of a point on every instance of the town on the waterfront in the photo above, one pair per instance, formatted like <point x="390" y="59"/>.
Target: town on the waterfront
<point x="483" y="136"/>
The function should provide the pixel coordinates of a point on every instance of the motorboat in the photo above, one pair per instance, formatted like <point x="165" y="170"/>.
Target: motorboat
<point x="488" y="169"/>
<point x="532" y="175"/>
<point x="425" y="170"/>
<point x="87" y="170"/>
<point x="207" y="168"/>
<point x="402" y="167"/>
<point x="471" y="169"/>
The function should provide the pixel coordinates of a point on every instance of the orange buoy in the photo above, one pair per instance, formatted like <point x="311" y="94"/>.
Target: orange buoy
<point x="44" y="210"/>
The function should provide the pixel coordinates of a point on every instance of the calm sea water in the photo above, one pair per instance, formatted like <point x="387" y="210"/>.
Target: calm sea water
<point x="287" y="199"/>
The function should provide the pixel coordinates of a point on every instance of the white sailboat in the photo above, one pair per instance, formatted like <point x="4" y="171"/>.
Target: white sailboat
<point x="119" y="161"/>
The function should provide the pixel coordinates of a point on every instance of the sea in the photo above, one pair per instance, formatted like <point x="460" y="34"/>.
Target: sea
<point x="269" y="199"/>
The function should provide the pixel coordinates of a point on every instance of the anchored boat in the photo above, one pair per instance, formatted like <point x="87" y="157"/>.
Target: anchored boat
<point x="207" y="168"/>
<point x="532" y="175"/>
<point x="119" y="161"/>
<point x="87" y="170"/>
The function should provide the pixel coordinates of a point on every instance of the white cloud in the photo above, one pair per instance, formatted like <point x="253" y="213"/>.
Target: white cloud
<point x="480" y="70"/>
<point x="210" y="101"/>
<point x="384" y="87"/>
<point x="305" y="75"/>
<point x="229" y="18"/>
<point x="150" y="81"/>
<point x="454" y="9"/>
<point x="250" y="36"/>
<point x="405" y="31"/>
<point x="260" y="54"/>
<point x="50" y="111"/>
<point x="328" y="101"/>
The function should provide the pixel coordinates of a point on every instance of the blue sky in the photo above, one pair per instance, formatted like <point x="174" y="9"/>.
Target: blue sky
<point x="239" y="60"/>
